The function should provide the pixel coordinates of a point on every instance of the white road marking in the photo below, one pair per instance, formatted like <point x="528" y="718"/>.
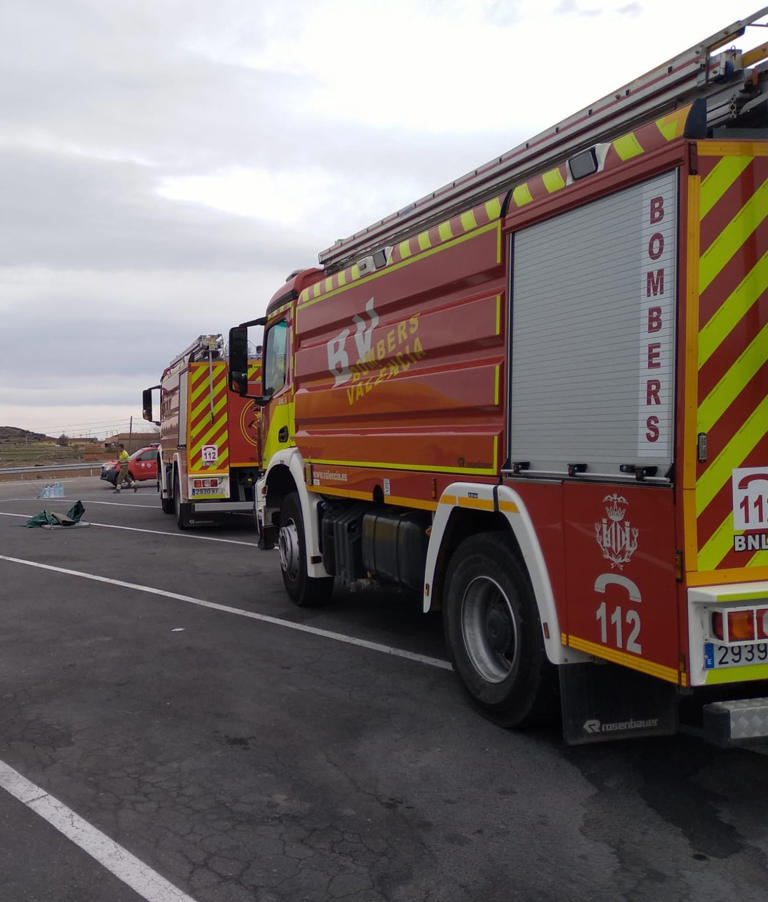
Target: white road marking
<point x="117" y="860"/>
<point x="239" y="612"/>
<point x="155" y="532"/>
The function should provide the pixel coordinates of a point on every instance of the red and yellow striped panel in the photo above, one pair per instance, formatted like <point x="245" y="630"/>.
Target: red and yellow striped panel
<point x="424" y="242"/>
<point x="208" y="435"/>
<point x="642" y="140"/>
<point x="732" y="405"/>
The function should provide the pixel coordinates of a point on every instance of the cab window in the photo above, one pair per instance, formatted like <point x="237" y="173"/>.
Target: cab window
<point x="275" y="358"/>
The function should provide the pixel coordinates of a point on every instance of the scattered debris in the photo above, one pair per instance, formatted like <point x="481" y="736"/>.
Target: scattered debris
<point x="52" y="490"/>
<point x="50" y="520"/>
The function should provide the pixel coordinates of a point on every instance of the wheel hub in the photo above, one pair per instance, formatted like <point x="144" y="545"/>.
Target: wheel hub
<point x="489" y="629"/>
<point x="288" y="546"/>
<point x="499" y="629"/>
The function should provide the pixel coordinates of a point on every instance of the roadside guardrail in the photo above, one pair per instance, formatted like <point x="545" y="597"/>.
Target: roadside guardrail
<point x="46" y="471"/>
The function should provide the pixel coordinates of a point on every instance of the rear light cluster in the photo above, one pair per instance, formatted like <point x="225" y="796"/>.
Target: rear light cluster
<point x="740" y="625"/>
<point x="205" y="483"/>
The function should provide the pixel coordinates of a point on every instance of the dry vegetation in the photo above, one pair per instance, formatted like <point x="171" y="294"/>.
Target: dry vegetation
<point x="22" y="448"/>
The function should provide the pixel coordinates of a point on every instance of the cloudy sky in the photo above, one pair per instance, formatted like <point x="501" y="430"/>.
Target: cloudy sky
<point x="164" y="164"/>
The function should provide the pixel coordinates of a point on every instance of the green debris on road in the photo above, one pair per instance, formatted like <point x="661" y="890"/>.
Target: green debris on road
<point x="49" y="520"/>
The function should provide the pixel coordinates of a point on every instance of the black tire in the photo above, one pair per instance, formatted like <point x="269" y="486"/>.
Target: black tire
<point x="304" y="590"/>
<point x="493" y="633"/>
<point x="179" y="508"/>
<point x="166" y="504"/>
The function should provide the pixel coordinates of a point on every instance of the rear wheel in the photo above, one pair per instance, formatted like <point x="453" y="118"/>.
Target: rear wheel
<point x="494" y="635"/>
<point x="167" y="504"/>
<point x="303" y="589"/>
<point x="180" y="509"/>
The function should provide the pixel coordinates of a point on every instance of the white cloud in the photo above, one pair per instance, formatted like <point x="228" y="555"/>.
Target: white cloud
<point x="164" y="165"/>
<point x="286" y="197"/>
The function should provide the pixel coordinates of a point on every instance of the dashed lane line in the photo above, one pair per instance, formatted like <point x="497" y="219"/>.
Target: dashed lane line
<point x="117" y="860"/>
<point x="240" y="612"/>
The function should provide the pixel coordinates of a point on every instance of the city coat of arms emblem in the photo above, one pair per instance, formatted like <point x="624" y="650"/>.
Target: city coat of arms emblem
<point x="616" y="536"/>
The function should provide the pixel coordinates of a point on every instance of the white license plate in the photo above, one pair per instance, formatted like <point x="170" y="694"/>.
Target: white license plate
<point x="734" y="655"/>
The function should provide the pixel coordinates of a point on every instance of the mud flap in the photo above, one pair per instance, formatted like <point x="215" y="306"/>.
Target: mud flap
<point x="602" y="702"/>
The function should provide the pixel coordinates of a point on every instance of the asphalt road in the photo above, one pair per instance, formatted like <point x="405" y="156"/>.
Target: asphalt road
<point x="194" y="734"/>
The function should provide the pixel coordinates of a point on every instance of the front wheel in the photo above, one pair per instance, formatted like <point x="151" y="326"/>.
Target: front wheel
<point x="494" y="635"/>
<point x="303" y="589"/>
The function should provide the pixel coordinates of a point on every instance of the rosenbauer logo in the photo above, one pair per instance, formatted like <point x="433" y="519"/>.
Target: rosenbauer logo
<point x="595" y="727"/>
<point x="616" y="537"/>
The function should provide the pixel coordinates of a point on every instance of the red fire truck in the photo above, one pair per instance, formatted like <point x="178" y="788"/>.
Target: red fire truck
<point x="209" y="454"/>
<point x="539" y="398"/>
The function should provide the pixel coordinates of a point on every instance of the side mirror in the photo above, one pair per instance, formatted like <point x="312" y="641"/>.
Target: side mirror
<point x="146" y="405"/>
<point x="238" y="359"/>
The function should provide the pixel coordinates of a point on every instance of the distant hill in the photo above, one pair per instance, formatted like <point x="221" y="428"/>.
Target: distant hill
<point x="14" y="434"/>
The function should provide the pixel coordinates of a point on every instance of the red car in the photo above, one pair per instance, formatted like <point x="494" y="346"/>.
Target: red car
<point x="142" y="465"/>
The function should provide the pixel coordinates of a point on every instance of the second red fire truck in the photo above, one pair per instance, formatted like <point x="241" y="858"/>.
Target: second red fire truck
<point x="539" y="398"/>
<point x="209" y="454"/>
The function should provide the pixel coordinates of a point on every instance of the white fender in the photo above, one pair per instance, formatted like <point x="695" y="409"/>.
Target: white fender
<point x="292" y="459"/>
<point x="504" y="500"/>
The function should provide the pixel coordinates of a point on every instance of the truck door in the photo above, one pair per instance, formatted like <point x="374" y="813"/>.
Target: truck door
<point x="279" y="418"/>
<point x="592" y="405"/>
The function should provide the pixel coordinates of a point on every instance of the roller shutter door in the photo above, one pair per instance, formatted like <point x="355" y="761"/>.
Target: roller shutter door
<point x="593" y="300"/>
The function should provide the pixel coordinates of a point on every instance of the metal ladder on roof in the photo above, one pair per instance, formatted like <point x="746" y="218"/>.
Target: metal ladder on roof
<point x="692" y="74"/>
<point x="202" y="348"/>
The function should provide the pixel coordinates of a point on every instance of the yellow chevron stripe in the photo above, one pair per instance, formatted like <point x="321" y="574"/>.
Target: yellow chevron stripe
<point x="444" y="230"/>
<point x="758" y="559"/>
<point x="493" y="208"/>
<point x="672" y="125"/>
<point x="723" y="175"/>
<point x="734" y="308"/>
<point x="218" y="407"/>
<point x="735" y="379"/>
<point x="733" y="236"/>
<point x="627" y="146"/>
<point x="203" y="388"/>
<point x="218" y="404"/>
<point x="204" y="427"/>
<point x="206" y="440"/>
<point x="732" y="456"/>
<point x="199" y="374"/>
<point x="220" y="466"/>
<point x="718" y="545"/>
<point x="553" y="181"/>
<point x="522" y="195"/>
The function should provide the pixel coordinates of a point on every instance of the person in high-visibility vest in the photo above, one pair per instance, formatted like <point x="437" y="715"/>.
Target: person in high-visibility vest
<point x="124" y="474"/>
